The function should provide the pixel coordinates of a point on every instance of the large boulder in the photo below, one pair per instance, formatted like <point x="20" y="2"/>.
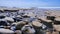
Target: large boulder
<point x="27" y="29"/>
<point x="9" y="19"/>
<point x="20" y="25"/>
<point x="36" y="23"/>
<point x="6" y="31"/>
<point x="57" y="20"/>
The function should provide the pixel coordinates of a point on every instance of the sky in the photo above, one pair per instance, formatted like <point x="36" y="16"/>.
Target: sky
<point x="30" y="3"/>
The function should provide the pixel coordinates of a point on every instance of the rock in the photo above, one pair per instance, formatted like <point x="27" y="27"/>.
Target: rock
<point x="6" y="31"/>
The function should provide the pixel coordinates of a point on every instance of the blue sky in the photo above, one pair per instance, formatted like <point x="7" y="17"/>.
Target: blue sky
<point x="30" y="3"/>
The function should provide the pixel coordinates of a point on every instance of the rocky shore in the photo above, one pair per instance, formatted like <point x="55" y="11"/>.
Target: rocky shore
<point x="29" y="21"/>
